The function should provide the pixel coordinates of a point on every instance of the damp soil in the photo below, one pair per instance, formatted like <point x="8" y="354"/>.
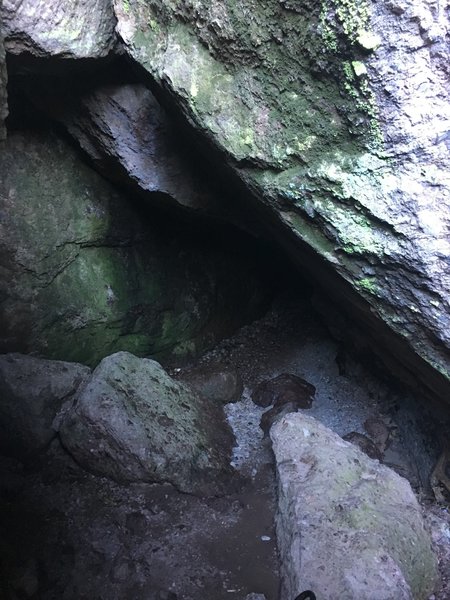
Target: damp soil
<point x="66" y="535"/>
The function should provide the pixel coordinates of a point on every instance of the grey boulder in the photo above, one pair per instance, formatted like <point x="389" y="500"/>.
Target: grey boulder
<point x="348" y="527"/>
<point x="32" y="391"/>
<point x="133" y="423"/>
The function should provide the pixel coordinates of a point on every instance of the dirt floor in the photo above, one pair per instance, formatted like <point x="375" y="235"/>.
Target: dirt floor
<point x="67" y="535"/>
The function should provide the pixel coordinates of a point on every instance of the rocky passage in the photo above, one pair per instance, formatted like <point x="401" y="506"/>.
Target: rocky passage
<point x="67" y="534"/>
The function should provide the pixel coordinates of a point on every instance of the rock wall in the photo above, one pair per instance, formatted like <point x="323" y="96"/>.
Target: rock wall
<point x="84" y="274"/>
<point x="68" y="29"/>
<point x="334" y="115"/>
<point x="130" y="139"/>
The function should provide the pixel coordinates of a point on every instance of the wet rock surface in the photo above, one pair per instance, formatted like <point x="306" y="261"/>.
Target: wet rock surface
<point x="347" y="526"/>
<point x="131" y="422"/>
<point x="32" y="393"/>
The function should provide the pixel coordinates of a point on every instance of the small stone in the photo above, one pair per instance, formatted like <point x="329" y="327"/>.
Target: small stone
<point x="379" y="431"/>
<point x="274" y="414"/>
<point x="359" y="68"/>
<point x="283" y="389"/>
<point x="215" y="383"/>
<point x="364" y="443"/>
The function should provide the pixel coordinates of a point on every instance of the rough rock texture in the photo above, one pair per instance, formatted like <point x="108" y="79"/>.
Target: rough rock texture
<point x="215" y="382"/>
<point x="84" y="274"/>
<point x="360" y="536"/>
<point x="364" y="443"/>
<point x="335" y="115"/>
<point x="282" y="389"/>
<point x="3" y="92"/>
<point x="130" y="139"/>
<point x="62" y="28"/>
<point x="32" y="392"/>
<point x="132" y="422"/>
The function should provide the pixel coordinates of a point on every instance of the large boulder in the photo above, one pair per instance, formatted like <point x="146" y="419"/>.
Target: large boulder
<point x="348" y="527"/>
<point x="335" y="116"/>
<point x="69" y="29"/>
<point x="132" y="422"/>
<point x="85" y="274"/>
<point x="32" y="392"/>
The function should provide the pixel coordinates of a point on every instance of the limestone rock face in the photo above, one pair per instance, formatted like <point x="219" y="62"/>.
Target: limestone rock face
<point x="62" y="28"/>
<point x="32" y="391"/>
<point x="336" y="117"/>
<point x="131" y="140"/>
<point x="132" y="422"/>
<point x="85" y="274"/>
<point x="347" y="526"/>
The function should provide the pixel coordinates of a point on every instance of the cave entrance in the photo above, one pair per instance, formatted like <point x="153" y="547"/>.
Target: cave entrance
<point x="221" y="309"/>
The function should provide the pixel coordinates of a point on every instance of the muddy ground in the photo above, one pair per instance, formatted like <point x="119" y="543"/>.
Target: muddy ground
<point x="68" y="535"/>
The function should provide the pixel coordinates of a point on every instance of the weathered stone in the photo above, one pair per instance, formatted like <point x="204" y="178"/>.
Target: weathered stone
<point x="32" y="391"/>
<point x="215" y="382"/>
<point x="342" y="142"/>
<point x="131" y="141"/>
<point x="132" y="422"/>
<point x="3" y="90"/>
<point x="282" y="389"/>
<point x="85" y="274"/>
<point x="364" y="443"/>
<point x="348" y="527"/>
<point x="66" y="29"/>
<point x="275" y="413"/>
<point x="380" y="431"/>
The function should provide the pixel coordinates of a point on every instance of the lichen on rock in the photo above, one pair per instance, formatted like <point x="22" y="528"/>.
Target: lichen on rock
<point x="132" y="422"/>
<point x="347" y="525"/>
<point x="84" y="274"/>
<point x="326" y="128"/>
<point x="69" y="29"/>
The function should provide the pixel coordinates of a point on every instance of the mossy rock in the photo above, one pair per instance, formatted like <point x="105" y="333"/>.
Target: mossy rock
<point x="86" y="274"/>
